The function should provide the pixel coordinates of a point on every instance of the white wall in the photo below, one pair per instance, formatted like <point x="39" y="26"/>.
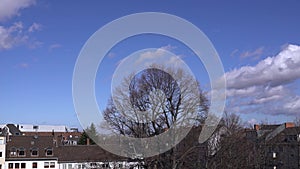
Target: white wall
<point x="111" y="165"/>
<point x="41" y="128"/>
<point x="28" y="164"/>
<point x="2" y="150"/>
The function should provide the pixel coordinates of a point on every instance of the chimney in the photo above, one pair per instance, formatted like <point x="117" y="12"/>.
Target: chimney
<point x="256" y="127"/>
<point x="87" y="141"/>
<point x="289" y="125"/>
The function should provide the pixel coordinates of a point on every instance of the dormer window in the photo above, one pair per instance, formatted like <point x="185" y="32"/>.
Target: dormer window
<point x="13" y="152"/>
<point x="21" y="152"/>
<point x="49" y="152"/>
<point x="2" y="141"/>
<point x="34" y="152"/>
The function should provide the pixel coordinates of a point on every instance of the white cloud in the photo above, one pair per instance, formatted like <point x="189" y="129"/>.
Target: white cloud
<point x="162" y="55"/>
<point x="11" y="36"/>
<point x="10" y="8"/>
<point x="252" y="121"/>
<point x="273" y="71"/>
<point x="255" y="54"/>
<point x="293" y="104"/>
<point x="35" y="27"/>
<point x="54" y="46"/>
<point x="241" y="92"/>
<point x="234" y="52"/>
<point x="15" y="35"/>
<point x="150" y="55"/>
<point x="266" y="87"/>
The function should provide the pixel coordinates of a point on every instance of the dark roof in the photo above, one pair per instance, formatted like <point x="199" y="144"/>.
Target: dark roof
<point x="268" y="126"/>
<point x="78" y="153"/>
<point x="3" y="131"/>
<point x="13" y="129"/>
<point x="28" y="143"/>
<point x="292" y="131"/>
<point x="85" y="153"/>
<point x="287" y="135"/>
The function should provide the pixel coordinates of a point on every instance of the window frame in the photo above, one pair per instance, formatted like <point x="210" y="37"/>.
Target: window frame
<point x="34" y="165"/>
<point x="21" y="150"/>
<point x="34" y="150"/>
<point x="46" y="164"/>
<point x="10" y="165"/>
<point x="17" y="165"/>
<point x="13" y="152"/>
<point x="49" y="150"/>
<point x="52" y="164"/>
<point x="22" y="165"/>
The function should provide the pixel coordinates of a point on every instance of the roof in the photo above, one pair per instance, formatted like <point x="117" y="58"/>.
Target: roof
<point x="28" y="143"/>
<point x="292" y="131"/>
<point x="4" y="131"/>
<point x="269" y="126"/>
<point x="78" y="153"/>
<point x="85" y="153"/>
<point x="13" y="129"/>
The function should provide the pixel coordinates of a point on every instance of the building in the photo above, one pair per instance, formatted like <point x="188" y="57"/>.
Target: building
<point x="13" y="130"/>
<point x="278" y="146"/>
<point x="30" y="152"/>
<point x="2" y="151"/>
<point x="41" y="128"/>
<point x="89" y="156"/>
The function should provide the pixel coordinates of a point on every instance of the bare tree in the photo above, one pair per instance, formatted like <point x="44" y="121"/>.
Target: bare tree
<point x="229" y="147"/>
<point x="170" y="97"/>
<point x="297" y="121"/>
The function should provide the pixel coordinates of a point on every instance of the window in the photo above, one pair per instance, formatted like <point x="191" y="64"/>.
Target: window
<point x="13" y="151"/>
<point x="0" y="166"/>
<point x="23" y="165"/>
<point x="105" y="165"/>
<point x="274" y="155"/>
<point x="34" y="152"/>
<point x="17" y="165"/>
<point x="0" y="154"/>
<point x="21" y="152"/>
<point x="49" y="152"/>
<point x="10" y="165"/>
<point x="52" y="164"/>
<point x="46" y="164"/>
<point x="34" y="165"/>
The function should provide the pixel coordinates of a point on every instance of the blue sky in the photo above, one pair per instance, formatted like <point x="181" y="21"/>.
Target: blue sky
<point x="41" y="40"/>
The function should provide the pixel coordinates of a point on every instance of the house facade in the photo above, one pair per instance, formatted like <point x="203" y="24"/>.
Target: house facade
<point x="29" y="152"/>
<point x="279" y="147"/>
<point x="2" y="151"/>
<point x="51" y="151"/>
